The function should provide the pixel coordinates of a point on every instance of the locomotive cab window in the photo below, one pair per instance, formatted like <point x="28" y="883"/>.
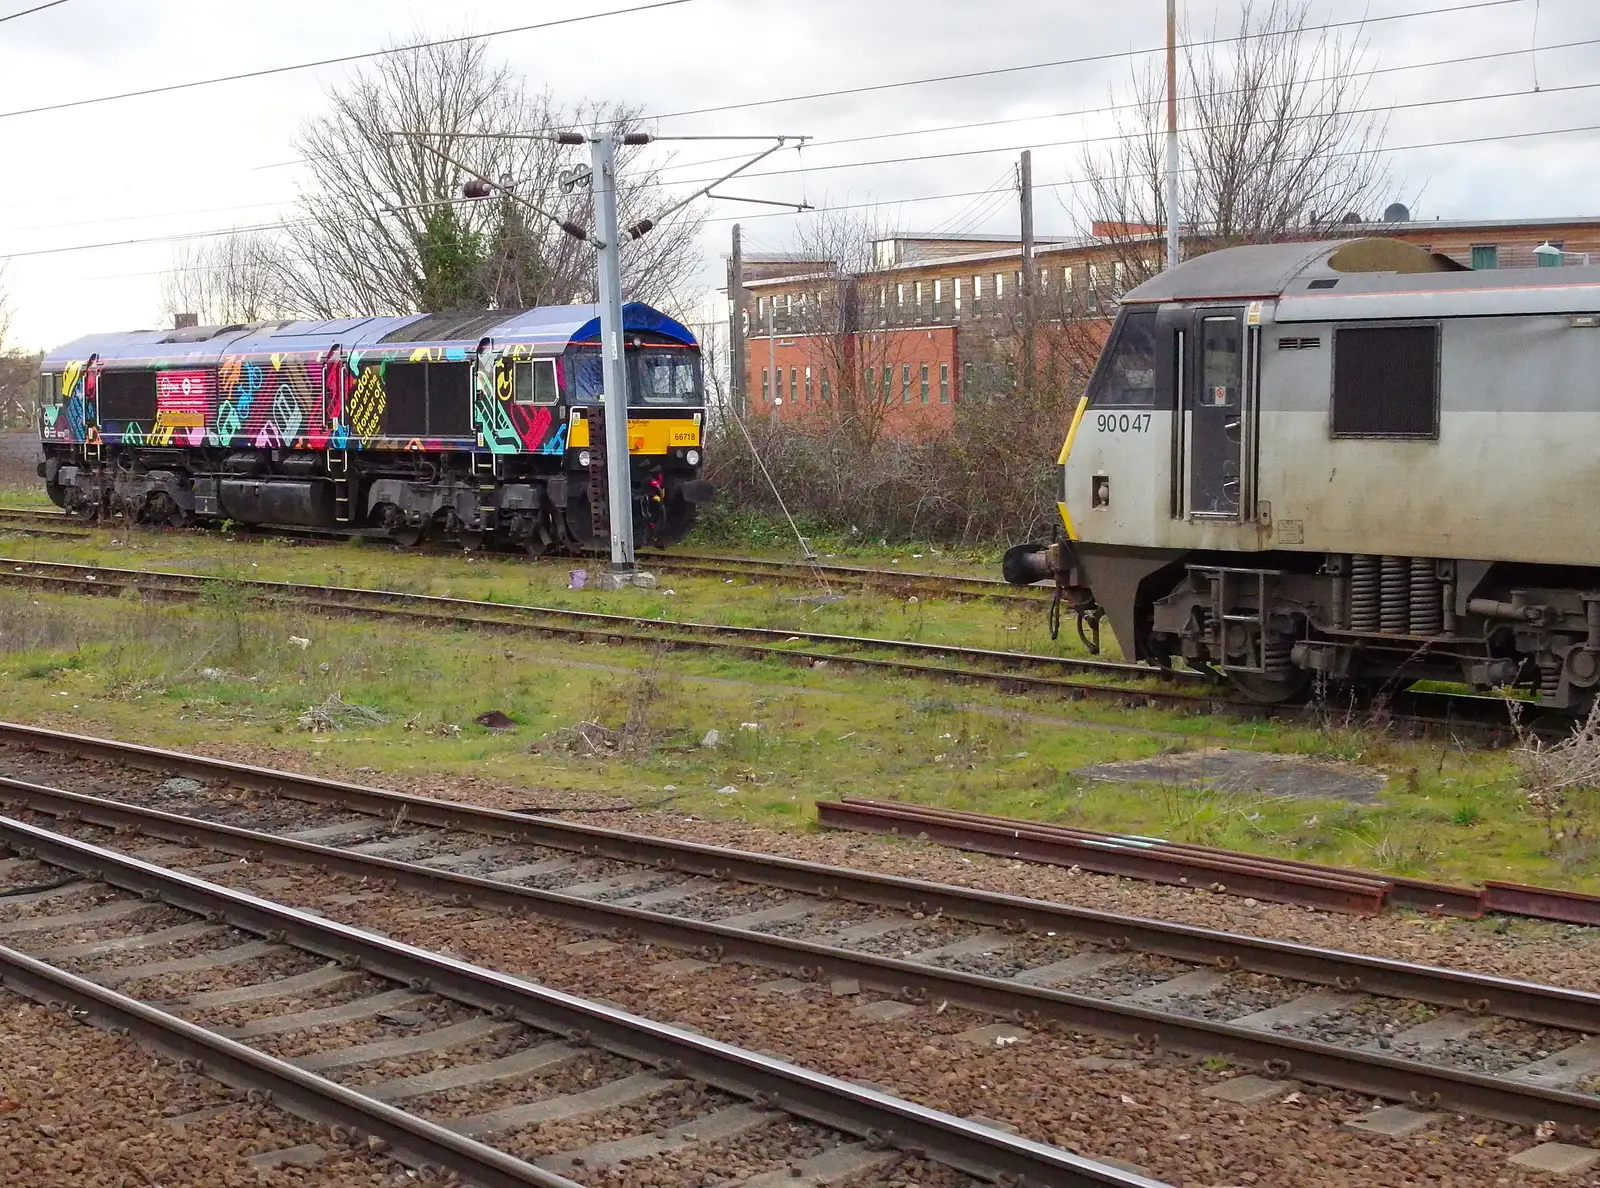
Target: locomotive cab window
<point x="535" y="382"/>
<point x="1126" y="377"/>
<point x="49" y="388"/>
<point x="1386" y="381"/>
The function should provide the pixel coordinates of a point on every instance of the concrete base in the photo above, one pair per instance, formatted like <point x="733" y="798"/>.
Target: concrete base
<point x="885" y="1011"/>
<point x="995" y="1035"/>
<point x="611" y="580"/>
<point x="1390" y="1122"/>
<point x="1560" y="1159"/>
<point x="1249" y="1090"/>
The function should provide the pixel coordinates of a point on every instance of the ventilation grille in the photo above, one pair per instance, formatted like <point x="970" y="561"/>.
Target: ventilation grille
<point x="1326" y="282"/>
<point x="1299" y="344"/>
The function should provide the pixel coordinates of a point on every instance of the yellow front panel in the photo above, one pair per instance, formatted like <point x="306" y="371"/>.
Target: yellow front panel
<point x="644" y="437"/>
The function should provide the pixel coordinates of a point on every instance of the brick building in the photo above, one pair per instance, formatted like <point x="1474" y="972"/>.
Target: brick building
<point x="938" y="317"/>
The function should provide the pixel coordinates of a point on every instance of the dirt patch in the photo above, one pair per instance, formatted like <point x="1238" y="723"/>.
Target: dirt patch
<point x="19" y="452"/>
<point x="1251" y="772"/>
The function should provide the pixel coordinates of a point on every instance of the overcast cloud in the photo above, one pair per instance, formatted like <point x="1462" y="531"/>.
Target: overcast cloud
<point x="220" y="156"/>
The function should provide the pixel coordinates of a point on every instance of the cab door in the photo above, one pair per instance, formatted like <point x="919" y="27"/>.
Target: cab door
<point x="1215" y="403"/>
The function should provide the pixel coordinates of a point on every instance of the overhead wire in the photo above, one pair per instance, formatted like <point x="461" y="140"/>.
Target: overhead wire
<point x="880" y="162"/>
<point x="11" y="16"/>
<point x="1066" y="182"/>
<point x="264" y="72"/>
<point x="1132" y="105"/>
<point x="1109" y="56"/>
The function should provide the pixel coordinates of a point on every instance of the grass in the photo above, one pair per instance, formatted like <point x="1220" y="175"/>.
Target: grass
<point x="220" y="673"/>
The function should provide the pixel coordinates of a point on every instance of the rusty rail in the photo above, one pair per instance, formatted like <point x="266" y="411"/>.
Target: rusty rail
<point x="1282" y="880"/>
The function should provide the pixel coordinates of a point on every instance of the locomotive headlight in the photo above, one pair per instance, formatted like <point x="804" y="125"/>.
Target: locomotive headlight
<point x="692" y="457"/>
<point x="583" y="457"/>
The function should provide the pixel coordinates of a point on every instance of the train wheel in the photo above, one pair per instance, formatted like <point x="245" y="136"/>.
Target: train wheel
<point x="408" y="536"/>
<point x="1293" y="686"/>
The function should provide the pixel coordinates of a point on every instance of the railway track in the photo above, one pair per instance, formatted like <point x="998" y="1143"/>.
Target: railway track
<point x="1011" y="671"/>
<point x="1495" y="1047"/>
<point x="1415" y="711"/>
<point x="233" y="1005"/>
<point x="741" y="569"/>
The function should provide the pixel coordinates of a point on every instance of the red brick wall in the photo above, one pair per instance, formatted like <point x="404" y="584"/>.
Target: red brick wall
<point x="933" y="348"/>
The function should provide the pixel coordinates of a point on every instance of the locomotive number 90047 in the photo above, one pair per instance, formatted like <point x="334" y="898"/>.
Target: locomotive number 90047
<point x="1122" y="422"/>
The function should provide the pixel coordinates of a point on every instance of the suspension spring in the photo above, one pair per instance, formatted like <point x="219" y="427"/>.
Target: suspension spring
<point x="1363" y="593"/>
<point x="1427" y="598"/>
<point x="1394" y="594"/>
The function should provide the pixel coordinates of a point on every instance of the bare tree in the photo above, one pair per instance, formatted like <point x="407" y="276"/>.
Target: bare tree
<point x="233" y="278"/>
<point x="381" y="230"/>
<point x="1276" y="142"/>
<point x="845" y="323"/>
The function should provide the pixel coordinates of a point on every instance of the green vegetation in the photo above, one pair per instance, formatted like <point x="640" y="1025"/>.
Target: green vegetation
<point x="630" y="721"/>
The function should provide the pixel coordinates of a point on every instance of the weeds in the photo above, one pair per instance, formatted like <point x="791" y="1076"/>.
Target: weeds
<point x="1561" y="784"/>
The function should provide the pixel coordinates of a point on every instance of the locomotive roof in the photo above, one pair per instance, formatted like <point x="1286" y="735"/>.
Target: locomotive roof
<point x="1369" y="278"/>
<point x="552" y="326"/>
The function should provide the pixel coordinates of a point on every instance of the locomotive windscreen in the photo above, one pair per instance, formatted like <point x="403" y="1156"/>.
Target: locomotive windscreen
<point x="656" y="375"/>
<point x="1126" y="377"/>
<point x="665" y="376"/>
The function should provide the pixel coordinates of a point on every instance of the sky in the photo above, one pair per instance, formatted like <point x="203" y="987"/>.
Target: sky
<point x="80" y="182"/>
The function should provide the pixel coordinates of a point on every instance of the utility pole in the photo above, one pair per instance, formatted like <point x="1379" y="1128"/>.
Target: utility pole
<point x="1029" y="273"/>
<point x="619" y="467"/>
<point x="736" y="327"/>
<point x="1172" y="134"/>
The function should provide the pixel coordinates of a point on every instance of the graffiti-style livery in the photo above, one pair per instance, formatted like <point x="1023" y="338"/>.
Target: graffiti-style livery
<point x="469" y="426"/>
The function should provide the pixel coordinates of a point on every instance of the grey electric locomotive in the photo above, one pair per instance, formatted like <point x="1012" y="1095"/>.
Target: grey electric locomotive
<point x="1356" y="460"/>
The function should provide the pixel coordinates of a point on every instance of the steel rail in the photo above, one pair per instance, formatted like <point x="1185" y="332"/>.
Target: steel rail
<point x="410" y="1139"/>
<point x="1531" y="1002"/>
<point x="456" y="612"/>
<point x="1284" y="879"/>
<point x="852" y="1109"/>
<point x="1359" y="1071"/>
<point x="779" y="569"/>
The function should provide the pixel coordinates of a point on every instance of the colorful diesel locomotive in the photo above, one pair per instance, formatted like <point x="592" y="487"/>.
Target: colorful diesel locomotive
<point x="481" y="427"/>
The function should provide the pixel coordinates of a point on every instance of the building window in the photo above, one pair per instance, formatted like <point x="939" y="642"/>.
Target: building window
<point x="938" y="296"/>
<point x="788" y="303"/>
<point x="966" y="374"/>
<point x="957" y="295"/>
<point x="905" y="383"/>
<point x="808" y="385"/>
<point x="1044" y="281"/>
<point x="826" y="392"/>
<point x="999" y="285"/>
<point x="1550" y="259"/>
<point x="916" y="289"/>
<point x="1386" y="381"/>
<point x="794" y="386"/>
<point x="1485" y="255"/>
<point x="924" y="383"/>
<point x="1118" y="273"/>
<point x="1066" y="281"/>
<point x="944" y="383"/>
<point x="766" y="392"/>
<point x="761" y="308"/>
<point x="900" y="296"/>
<point x="883" y="296"/>
<point x="977" y="287"/>
<point x="1094" y="286"/>
<point x="888" y="384"/>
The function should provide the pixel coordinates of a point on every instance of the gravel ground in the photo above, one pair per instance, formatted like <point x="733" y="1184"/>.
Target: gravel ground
<point x="1560" y="954"/>
<point x="1126" y="1103"/>
<point x="80" y="1108"/>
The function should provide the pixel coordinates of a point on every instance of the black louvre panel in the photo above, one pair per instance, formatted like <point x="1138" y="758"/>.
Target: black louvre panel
<point x="1386" y="381"/>
<point x="127" y="396"/>
<point x="449" y="399"/>
<point x="405" y="405"/>
<point x="461" y="325"/>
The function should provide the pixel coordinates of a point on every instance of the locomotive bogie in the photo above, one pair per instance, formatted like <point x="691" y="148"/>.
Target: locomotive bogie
<point x="1352" y="463"/>
<point x="470" y="427"/>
